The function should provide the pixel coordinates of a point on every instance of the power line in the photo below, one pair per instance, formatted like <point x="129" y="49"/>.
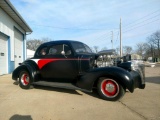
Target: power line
<point x="142" y="17"/>
<point x="105" y="36"/>
<point x="144" y="20"/>
<point x="70" y="28"/>
<point x="103" y="39"/>
<point x="102" y="36"/>
<point x="141" y="25"/>
<point x="150" y="32"/>
<point x="117" y="37"/>
<point x="99" y="41"/>
<point x="133" y="25"/>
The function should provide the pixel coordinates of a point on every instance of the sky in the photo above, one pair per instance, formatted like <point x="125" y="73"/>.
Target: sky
<point x="91" y="21"/>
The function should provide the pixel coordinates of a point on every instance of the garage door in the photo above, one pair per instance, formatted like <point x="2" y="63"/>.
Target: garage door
<point x="18" y="48"/>
<point x="3" y="55"/>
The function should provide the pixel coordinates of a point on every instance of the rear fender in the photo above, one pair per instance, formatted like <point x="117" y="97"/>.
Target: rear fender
<point x="33" y="72"/>
<point x="122" y="76"/>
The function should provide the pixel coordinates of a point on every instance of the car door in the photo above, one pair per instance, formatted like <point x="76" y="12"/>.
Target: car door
<point x="59" y="64"/>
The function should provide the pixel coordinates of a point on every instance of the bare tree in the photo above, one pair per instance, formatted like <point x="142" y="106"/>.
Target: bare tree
<point x="150" y="51"/>
<point x="33" y="44"/>
<point x="104" y="48"/>
<point x="141" y="48"/>
<point x="118" y="50"/>
<point x="95" y="48"/>
<point x="127" y="50"/>
<point x="154" y="41"/>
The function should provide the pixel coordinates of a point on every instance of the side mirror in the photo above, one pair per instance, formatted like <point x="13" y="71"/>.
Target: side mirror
<point x="63" y="53"/>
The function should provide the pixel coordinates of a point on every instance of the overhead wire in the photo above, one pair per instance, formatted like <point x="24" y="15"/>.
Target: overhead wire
<point x="104" y="37"/>
<point x="145" y="20"/>
<point x="141" y="18"/>
<point x="150" y="32"/>
<point x="70" y="28"/>
<point x="141" y="25"/>
<point x="141" y="22"/>
<point x="131" y="26"/>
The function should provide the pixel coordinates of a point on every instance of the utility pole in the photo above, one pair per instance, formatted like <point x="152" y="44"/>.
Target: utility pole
<point x="112" y="39"/>
<point x="121" y="52"/>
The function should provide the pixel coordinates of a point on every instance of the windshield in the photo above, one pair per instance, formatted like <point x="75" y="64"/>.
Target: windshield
<point x="81" y="48"/>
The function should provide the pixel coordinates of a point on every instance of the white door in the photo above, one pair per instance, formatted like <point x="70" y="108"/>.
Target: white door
<point x="18" y="48"/>
<point x="3" y="55"/>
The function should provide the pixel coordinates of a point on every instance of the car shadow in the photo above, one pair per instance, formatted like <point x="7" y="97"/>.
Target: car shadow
<point x="155" y="79"/>
<point x="21" y="117"/>
<point x="15" y="82"/>
<point x="57" y="89"/>
<point x="94" y="93"/>
<point x="52" y="89"/>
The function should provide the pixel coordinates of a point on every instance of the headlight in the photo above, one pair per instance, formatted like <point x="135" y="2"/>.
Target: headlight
<point x="134" y="66"/>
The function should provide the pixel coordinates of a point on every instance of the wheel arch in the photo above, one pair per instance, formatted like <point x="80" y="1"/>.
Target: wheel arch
<point x="122" y="76"/>
<point x="108" y="76"/>
<point x="91" y="78"/>
<point x="31" y="71"/>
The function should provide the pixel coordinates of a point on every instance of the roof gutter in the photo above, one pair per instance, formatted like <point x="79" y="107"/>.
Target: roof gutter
<point x="13" y="13"/>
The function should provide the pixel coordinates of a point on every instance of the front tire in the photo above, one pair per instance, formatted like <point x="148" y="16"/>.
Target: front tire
<point x="24" y="80"/>
<point x="109" y="89"/>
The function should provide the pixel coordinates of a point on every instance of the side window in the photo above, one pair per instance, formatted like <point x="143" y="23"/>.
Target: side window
<point x="43" y="51"/>
<point x="88" y="50"/>
<point x="52" y="51"/>
<point x="57" y="50"/>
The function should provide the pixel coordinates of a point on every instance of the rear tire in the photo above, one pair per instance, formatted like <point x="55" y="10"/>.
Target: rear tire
<point x="24" y="80"/>
<point x="109" y="89"/>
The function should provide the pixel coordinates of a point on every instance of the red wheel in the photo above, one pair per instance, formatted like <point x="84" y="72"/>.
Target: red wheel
<point x="24" y="80"/>
<point x="110" y="89"/>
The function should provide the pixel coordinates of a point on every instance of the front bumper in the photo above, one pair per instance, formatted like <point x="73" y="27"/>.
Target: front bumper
<point x="138" y="76"/>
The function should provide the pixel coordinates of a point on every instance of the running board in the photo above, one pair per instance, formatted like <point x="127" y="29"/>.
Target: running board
<point x="59" y="85"/>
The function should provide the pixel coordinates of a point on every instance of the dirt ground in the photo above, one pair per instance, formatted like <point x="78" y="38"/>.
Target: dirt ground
<point x="44" y="103"/>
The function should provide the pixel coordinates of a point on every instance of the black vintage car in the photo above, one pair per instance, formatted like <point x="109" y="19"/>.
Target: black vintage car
<point x="72" y="65"/>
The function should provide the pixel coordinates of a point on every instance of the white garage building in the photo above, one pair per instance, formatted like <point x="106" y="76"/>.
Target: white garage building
<point x="13" y="31"/>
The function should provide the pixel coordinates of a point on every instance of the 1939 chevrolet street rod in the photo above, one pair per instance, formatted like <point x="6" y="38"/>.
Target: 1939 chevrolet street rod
<point x="72" y="65"/>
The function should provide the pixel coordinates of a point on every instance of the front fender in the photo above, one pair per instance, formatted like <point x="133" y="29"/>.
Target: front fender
<point x="122" y="76"/>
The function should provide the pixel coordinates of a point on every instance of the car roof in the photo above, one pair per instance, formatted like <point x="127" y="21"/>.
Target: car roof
<point x="60" y="42"/>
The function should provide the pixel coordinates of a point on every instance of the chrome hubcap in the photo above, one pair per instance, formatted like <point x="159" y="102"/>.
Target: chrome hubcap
<point x="109" y="88"/>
